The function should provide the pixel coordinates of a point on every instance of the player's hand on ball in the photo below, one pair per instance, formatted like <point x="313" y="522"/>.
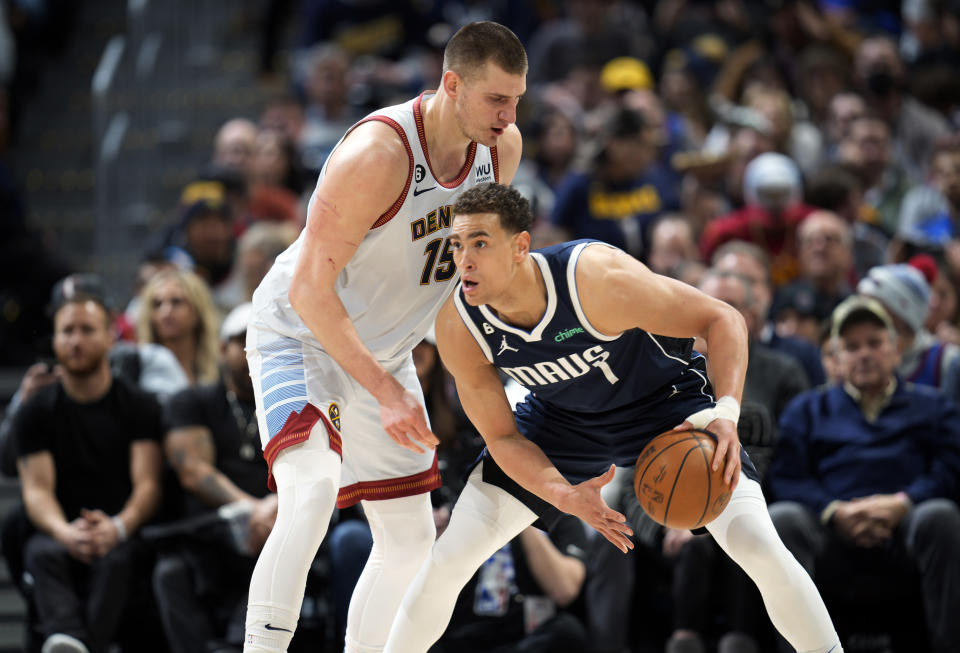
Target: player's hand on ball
<point x="405" y="421"/>
<point x="727" y="454"/>
<point x="584" y="501"/>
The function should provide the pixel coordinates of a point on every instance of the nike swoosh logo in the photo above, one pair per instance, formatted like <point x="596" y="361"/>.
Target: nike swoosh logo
<point x="420" y="191"/>
<point x="269" y="627"/>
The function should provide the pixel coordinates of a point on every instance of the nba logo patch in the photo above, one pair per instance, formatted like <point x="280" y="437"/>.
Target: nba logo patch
<point x="334" y="413"/>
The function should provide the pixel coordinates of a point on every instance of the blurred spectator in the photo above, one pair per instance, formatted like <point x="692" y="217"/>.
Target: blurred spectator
<point x="865" y="471"/>
<point x="844" y="107"/>
<point x="750" y="261"/>
<point x="623" y="191"/>
<point x="598" y="28"/>
<point x="685" y="75"/>
<point x="276" y="162"/>
<point x="866" y="149"/>
<point x="377" y="27"/>
<point x="206" y="232"/>
<point x="328" y="113"/>
<point x="672" y="244"/>
<point x="822" y="73"/>
<point x="930" y="214"/>
<point x="234" y="146"/>
<point x="213" y="444"/>
<point x="773" y="192"/>
<point x="89" y="464"/>
<point x="838" y="189"/>
<point x="943" y="320"/>
<point x="284" y="114"/>
<point x="773" y="378"/>
<point x="915" y="128"/>
<point x="553" y="145"/>
<point x="905" y="294"/>
<point x="176" y="311"/>
<point x="152" y="368"/>
<point x="825" y="244"/>
<point x="257" y="249"/>
<point x="518" y="600"/>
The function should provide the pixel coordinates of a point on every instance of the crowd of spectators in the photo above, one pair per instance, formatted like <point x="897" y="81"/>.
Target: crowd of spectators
<point x="798" y="159"/>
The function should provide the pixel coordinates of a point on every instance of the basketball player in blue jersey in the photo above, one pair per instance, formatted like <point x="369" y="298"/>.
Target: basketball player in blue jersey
<point x="605" y="347"/>
<point x="334" y="322"/>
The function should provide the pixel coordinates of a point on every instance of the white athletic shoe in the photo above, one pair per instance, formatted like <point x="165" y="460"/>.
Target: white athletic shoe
<point x="61" y="643"/>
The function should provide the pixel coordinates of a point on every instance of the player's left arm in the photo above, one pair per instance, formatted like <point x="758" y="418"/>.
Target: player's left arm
<point x="485" y="403"/>
<point x="509" y="150"/>
<point x="619" y="293"/>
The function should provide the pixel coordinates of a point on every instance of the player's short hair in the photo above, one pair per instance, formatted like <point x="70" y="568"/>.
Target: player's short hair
<point x="476" y="43"/>
<point x="512" y="207"/>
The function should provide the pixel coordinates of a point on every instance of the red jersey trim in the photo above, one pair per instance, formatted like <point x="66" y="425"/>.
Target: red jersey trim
<point x="295" y="430"/>
<point x="386" y="217"/>
<point x="391" y="488"/>
<point x="471" y="151"/>
<point x="496" y="164"/>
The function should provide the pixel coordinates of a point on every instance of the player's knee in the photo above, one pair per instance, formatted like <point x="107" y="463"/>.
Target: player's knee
<point x="756" y="547"/>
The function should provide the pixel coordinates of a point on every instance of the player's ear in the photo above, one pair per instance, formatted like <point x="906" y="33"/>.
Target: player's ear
<point x="451" y="82"/>
<point x="521" y="244"/>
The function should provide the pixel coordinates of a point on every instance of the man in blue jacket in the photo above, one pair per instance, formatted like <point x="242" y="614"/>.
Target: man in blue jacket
<point x="871" y="466"/>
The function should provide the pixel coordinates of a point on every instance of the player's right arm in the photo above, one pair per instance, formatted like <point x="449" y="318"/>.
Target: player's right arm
<point x="485" y="403"/>
<point x="364" y="177"/>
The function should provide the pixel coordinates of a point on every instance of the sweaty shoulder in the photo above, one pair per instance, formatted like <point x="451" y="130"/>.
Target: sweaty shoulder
<point x="607" y="280"/>
<point x="509" y="150"/>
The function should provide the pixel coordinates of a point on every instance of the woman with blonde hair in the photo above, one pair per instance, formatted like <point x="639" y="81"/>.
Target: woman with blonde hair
<point x="177" y="311"/>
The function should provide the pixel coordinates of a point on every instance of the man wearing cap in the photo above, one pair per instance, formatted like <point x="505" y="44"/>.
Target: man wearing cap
<point x="772" y="190"/>
<point x="622" y="193"/>
<point x="867" y="471"/>
<point x="89" y="465"/>
<point x="212" y="442"/>
<point x="905" y="294"/>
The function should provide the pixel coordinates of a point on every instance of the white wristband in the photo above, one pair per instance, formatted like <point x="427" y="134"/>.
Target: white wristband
<point x="727" y="408"/>
<point x="121" y="528"/>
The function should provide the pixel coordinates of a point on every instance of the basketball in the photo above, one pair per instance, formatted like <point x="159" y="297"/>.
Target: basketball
<point x="675" y="483"/>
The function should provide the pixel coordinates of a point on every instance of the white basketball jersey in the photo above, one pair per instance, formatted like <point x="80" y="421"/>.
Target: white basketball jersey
<point x="403" y="270"/>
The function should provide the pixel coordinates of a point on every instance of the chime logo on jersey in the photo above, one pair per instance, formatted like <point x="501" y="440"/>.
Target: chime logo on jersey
<point x="334" y="413"/>
<point x="567" y="333"/>
<point x="563" y="368"/>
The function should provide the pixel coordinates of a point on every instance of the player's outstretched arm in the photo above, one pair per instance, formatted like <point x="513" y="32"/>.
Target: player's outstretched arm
<point x="619" y="293"/>
<point x="366" y="174"/>
<point x="485" y="403"/>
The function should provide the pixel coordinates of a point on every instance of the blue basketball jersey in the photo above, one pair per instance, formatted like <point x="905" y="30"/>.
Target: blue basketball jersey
<point x="564" y="361"/>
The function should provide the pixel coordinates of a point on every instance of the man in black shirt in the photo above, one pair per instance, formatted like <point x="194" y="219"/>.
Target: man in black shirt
<point x="213" y="444"/>
<point x="89" y="464"/>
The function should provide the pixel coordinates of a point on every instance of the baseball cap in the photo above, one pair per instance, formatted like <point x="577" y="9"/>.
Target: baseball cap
<point x="903" y="290"/>
<point x="201" y="197"/>
<point x="859" y="306"/>
<point x="235" y="324"/>
<point x="85" y="285"/>
<point x="625" y="74"/>
<point x="771" y="171"/>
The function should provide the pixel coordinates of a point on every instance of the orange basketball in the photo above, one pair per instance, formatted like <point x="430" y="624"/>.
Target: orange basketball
<point x="675" y="483"/>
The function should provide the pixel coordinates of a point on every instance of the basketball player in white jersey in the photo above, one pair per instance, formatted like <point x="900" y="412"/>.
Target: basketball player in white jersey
<point x="340" y="409"/>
